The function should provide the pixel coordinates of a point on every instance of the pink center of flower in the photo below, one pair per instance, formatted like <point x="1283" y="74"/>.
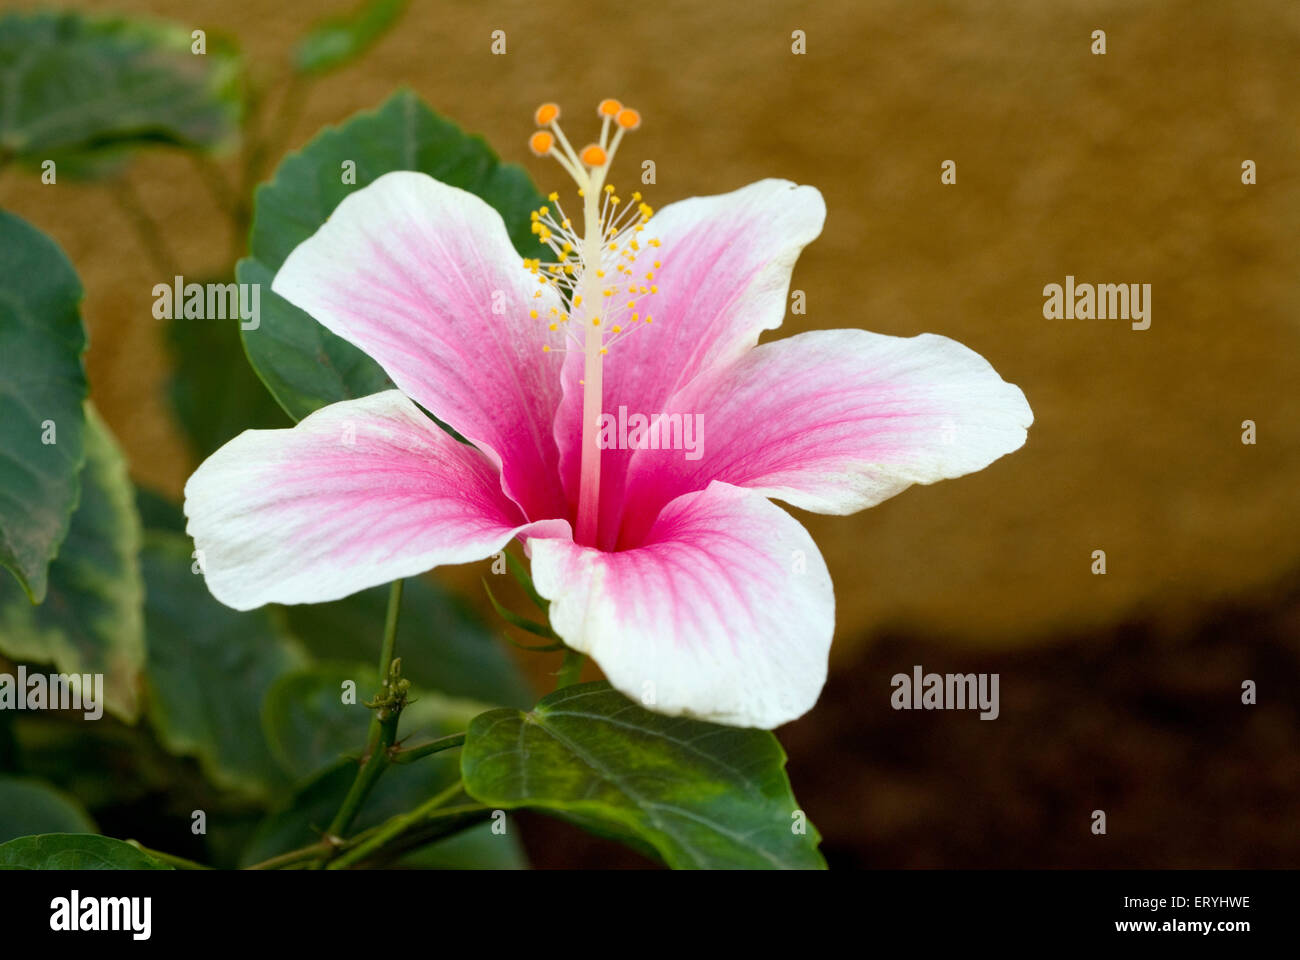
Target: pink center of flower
<point x="595" y="270"/>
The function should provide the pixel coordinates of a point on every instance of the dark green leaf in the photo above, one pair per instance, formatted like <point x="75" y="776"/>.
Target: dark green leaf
<point x="701" y="795"/>
<point x="209" y="670"/>
<point x="303" y="364"/>
<point x="29" y="807"/>
<point x="92" y="617"/>
<point x="73" y="86"/>
<point x="443" y="644"/>
<point x="68" y="851"/>
<point x="157" y="512"/>
<point x="334" y="41"/>
<point x="42" y="388"/>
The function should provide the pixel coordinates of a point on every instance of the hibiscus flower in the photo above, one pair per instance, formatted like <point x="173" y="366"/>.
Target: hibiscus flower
<point x="694" y="592"/>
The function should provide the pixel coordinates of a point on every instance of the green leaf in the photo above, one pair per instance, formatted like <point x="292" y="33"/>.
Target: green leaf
<point x="29" y="807"/>
<point x="309" y="725"/>
<point x="42" y="382"/>
<point x="215" y="394"/>
<point x="209" y="670"/>
<point x="336" y="40"/>
<point x="68" y="851"/>
<point x="443" y="644"/>
<point x="92" y="618"/>
<point x="303" y="364"/>
<point x="74" y="86"/>
<point x="699" y="794"/>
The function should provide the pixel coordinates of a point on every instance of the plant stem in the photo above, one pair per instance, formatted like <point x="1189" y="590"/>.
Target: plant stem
<point x="570" y="669"/>
<point x="313" y="852"/>
<point x="411" y="754"/>
<point x="395" y="827"/>
<point x="383" y="727"/>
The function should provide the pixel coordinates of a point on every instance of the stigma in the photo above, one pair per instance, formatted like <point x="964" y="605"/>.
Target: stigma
<point x="593" y="261"/>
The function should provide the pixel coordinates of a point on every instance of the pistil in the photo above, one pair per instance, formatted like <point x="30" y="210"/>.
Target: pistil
<point x="605" y="307"/>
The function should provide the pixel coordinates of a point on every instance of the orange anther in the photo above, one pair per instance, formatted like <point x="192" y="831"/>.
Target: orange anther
<point x="541" y="142"/>
<point x="593" y="155"/>
<point x="546" y="113"/>
<point x="609" y="108"/>
<point x="628" y="119"/>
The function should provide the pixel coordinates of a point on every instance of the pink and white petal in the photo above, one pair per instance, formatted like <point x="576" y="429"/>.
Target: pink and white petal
<point x="834" y="421"/>
<point x="359" y="493"/>
<point x="423" y="278"/>
<point x="726" y="265"/>
<point x="725" y="612"/>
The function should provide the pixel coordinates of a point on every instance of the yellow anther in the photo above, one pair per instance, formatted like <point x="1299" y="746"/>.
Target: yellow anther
<point x="631" y="304"/>
<point x="553" y="197"/>
<point x="604" y="350"/>
<point x="614" y="201"/>
<point x="609" y="108"/>
<point x="555" y="326"/>
<point x="541" y="143"/>
<point x="577" y="301"/>
<point x="600" y="273"/>
<point x="654" y="289"/>
<point x="636" y="196"/>
<point x="616" y="329"/>
<point x="543" y="210"/>
<point x="649" y="318"/>
<point x="658" y="264"/>
<point x="595" y="321"/>
<point x="533" y="314"/>
<point x="546" y="349"/>
<point x="593" y="155"/>
<point x="628" y="119"/>
<point x="547" y="113"/>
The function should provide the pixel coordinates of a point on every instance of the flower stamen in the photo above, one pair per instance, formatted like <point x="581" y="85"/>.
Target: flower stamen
<point x="608" y="242"/>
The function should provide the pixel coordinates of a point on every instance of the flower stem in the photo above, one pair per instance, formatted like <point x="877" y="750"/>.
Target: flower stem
<point x="383" y="725"/>
<point x="313" y="852"/>
<point x="404" y="823"/>
<point x="411" y="754"/>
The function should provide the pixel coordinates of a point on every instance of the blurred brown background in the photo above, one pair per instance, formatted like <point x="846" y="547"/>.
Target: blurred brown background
<point x="1118" y="691"/>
